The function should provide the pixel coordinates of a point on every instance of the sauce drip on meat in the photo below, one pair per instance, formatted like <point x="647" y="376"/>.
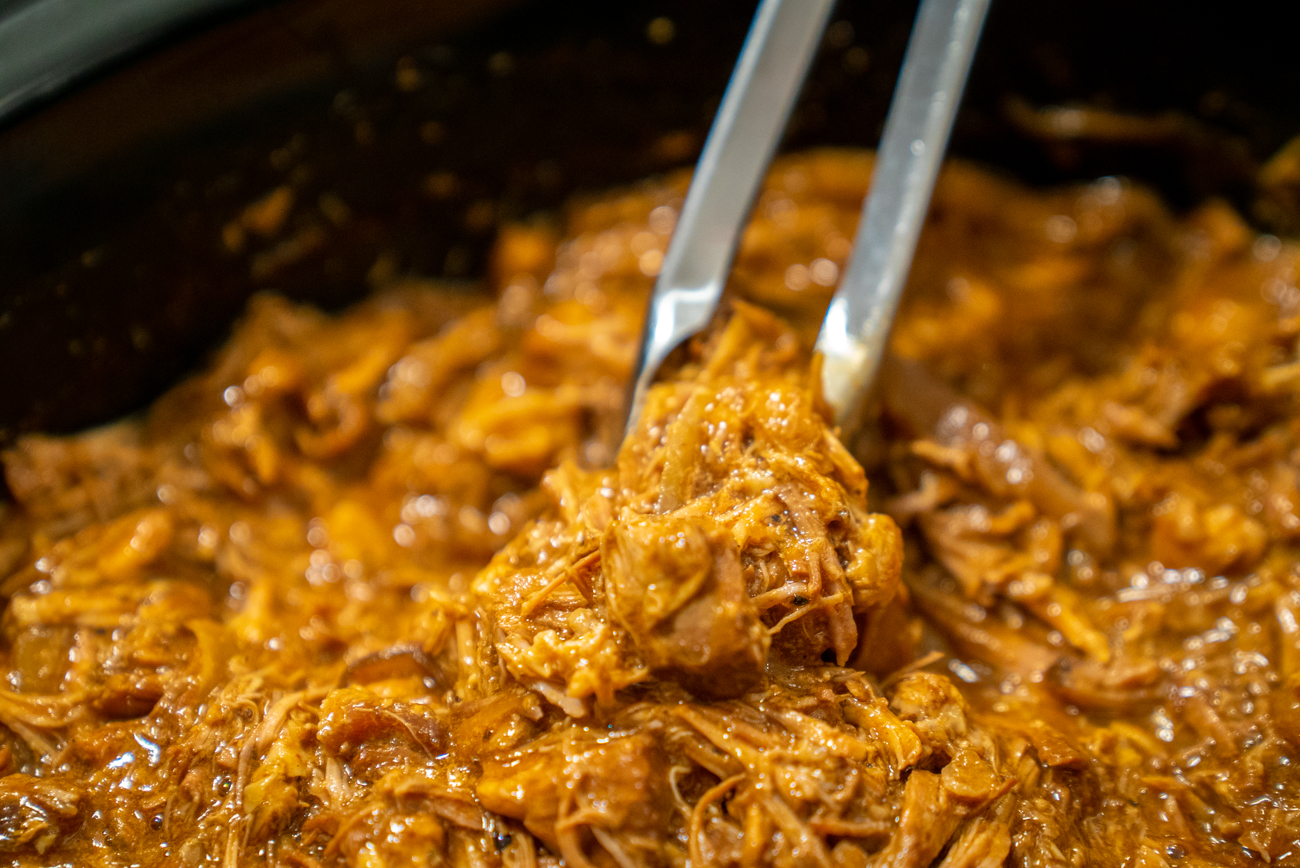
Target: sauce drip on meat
<point x="371" y="591"/>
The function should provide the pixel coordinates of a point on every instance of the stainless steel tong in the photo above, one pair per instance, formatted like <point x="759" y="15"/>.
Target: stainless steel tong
<point x="745" y="133"/>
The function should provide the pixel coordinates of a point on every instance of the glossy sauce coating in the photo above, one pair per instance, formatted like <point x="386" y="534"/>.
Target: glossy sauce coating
<point x="372" y="591"/>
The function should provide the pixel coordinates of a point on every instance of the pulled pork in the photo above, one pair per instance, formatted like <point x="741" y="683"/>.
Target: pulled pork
<point x="371" y="590"/>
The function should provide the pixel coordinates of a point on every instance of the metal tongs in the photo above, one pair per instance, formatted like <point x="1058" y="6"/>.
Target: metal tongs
<point x="762" y="91"/>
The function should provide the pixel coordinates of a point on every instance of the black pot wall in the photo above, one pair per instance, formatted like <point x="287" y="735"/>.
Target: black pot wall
<point x="115" y="279"/>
